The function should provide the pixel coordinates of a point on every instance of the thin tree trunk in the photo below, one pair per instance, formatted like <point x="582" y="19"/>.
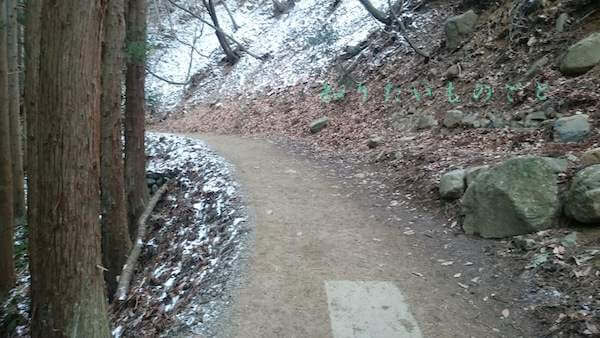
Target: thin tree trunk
<point x="231" y="55"/>
<point x="7" y="265"/>
<point x="377" y="14"/>
<point x="67" y="285"/>
<point x="135" y="156"/>
<point x="235" y="25"/>
<point x="14" y="97"/>
<point x="218" y="29"/>
<point x="115" y="230"/>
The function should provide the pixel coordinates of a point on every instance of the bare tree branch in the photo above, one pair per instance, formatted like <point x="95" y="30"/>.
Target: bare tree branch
<point x="175" y="83"/>
<point x="242" y="48"/>
<point x="235" y="25"/>
<point x="377" y="14"/>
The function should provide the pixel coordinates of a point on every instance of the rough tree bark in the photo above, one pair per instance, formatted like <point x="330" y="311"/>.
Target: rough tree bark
<point x="14" y="97"/>
<point x="231" y="55"/>
<point x="67" y="285"/>
<point x="31" y="84"/>
<point x="135" y="156"/>
<point x="116" y="243"/>
<point x="7" y="267"/>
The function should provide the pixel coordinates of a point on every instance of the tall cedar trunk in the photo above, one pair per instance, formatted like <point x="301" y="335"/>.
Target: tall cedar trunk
<point x="232" y="56"/>
<point x="115" y="231"/>
<point x="32" y="54"/>
<point x="67" y="286"/>
<point x="14" y="96"/>
<point x="7" y="267"/>
<point x="135" y="155"/>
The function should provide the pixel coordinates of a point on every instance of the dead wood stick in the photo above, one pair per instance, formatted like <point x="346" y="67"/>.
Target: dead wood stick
<point x="127" y="272"/>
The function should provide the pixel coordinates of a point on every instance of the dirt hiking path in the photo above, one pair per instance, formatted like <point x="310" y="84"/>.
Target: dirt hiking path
<point x="324" y="265"/>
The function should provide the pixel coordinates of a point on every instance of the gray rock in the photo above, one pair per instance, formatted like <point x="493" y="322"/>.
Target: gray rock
<point x="496" y="120"/>
<point x="453" y="118"/>
<point x="474" y="121"/>
<point x="517" y="197"/>
<point x="460" y="27"/>
<point x="474" y="172"/>
<point x="571" y="129"/>
<point x="558" y="165"/>
<point x="591" y="157"/>
<point x="452" y="184"/>
<point x="374" y="142"/>
<point x="582" y="56"/>
<point x="403" y="121"/>
<point x="561" y="22"/>
<point x="583" y="198"/>
<point x="453" y="72"/>
<point x="426" y="122"/>
<point x="318" y="125"/>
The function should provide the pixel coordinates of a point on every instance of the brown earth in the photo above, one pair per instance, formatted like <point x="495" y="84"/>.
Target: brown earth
<point x="320" y="221"/>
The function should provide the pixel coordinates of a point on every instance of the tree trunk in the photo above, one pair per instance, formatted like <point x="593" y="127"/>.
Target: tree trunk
<point x="7" y="265"/>
<point x="235" y="25"/>
<point x="115" y="231"/>
<point x="67" y="286"/>
<point x="135" y="155"/>
<point x="14" y="97"/>
<point x="377" y="14"/>
<point x="31" y="85"/>
<point x="231" y="56"/>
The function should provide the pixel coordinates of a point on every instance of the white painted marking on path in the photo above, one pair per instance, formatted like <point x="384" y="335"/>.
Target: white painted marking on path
<point x="360" y="309"/>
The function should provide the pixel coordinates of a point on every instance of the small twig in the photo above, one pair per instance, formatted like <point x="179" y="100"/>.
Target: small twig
<point x="128" y="268"/>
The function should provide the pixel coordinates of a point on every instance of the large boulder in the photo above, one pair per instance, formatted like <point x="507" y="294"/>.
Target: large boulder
<point x="582" y="56"/>
<point x="318" y="125"/>
<point x="474" y="172"/>
<point x="458" y="27"/>
<point x="583" y="198"/>
<point x="452" y="184"/>
<point x="572" y="129"/>
<point x="517" y="197"/>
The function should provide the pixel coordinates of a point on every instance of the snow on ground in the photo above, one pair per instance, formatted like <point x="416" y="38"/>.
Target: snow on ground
<point x="302" y="44"/>
<point x="197" y="236"/>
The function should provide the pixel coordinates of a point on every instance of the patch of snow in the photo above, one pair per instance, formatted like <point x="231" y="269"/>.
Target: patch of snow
<point x="301" y="44"/>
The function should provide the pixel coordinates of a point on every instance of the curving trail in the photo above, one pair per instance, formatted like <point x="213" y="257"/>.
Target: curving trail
<point x="325" y="266"/>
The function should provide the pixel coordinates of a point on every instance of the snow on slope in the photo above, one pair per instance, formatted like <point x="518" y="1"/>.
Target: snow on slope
<point x="302" y="43"/>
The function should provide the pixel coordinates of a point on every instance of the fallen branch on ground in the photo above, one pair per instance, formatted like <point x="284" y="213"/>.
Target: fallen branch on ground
<point x="127" y="272"/>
